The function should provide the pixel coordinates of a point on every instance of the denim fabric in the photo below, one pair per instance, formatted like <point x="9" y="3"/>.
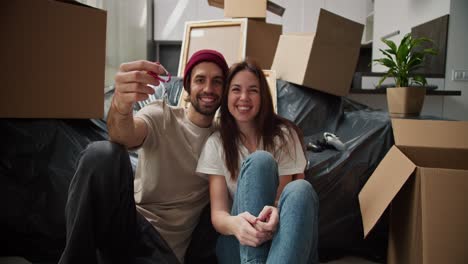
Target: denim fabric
<point x="295" y="240"/>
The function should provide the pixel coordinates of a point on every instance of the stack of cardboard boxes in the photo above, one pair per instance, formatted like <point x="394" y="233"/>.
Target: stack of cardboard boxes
<point x="323" y="61"/>
<point x="53" y="59"/>
<point x="244" y="33"/>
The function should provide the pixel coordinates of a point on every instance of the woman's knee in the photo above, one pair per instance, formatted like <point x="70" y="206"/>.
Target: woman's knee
<point x="262" y="164"/>
<point x="261" y="160"/>
<point x="303" y="190"/>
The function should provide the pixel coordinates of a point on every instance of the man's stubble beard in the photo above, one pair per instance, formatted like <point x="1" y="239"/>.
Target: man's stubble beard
<point x="206" y="112"/>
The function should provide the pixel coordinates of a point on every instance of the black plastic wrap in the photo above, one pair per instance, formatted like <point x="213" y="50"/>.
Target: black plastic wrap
<point x="37" y="162"/>
<point x="338" y="176"/>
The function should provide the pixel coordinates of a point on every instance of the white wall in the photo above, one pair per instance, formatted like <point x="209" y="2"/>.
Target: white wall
<point x="170" y="16"/>
<point x="299" y="16"/>
<point x="402" y="15"/>
<point x="456" y="107"/>
<point x="126" y="32"/>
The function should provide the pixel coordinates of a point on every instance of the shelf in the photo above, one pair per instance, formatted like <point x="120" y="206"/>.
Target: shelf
<point x="428" y="92"/>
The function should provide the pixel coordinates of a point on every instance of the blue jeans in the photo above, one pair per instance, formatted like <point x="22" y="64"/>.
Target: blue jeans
<point x="295" y="240"/>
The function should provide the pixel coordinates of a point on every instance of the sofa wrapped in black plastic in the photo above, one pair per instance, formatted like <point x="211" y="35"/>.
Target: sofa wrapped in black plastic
<point x="38" y="157"/>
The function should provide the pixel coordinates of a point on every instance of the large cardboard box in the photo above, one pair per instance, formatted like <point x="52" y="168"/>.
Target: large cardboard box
<point x="324" y="61"/>
<point x="53" y="59"/>
<point x="247" y="8"/>
<point x="425" y="179"/>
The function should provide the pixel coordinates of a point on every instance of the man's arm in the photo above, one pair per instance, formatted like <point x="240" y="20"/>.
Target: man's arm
<point x="131" y="86"/>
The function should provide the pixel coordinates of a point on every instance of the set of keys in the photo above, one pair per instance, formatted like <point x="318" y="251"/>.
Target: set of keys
<point x="164" y="95"/>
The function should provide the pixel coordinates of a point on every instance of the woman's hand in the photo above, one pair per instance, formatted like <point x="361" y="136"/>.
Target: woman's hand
<point x="246" y="233"/>
<point x="267" y="220"/>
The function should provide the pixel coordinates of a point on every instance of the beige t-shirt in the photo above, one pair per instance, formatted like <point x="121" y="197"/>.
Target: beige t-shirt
<point x="290" y="160"/>
<point x="168" y="191"/>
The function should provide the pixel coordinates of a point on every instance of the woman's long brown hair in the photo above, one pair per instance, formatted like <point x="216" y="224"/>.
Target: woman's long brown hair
<point x="269" y="124"/>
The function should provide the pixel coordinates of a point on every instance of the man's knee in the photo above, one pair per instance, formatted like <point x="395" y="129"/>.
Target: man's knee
<point x="100" y="153"/>
<point x="102" y="160"/>
<point x="104" y="165"/>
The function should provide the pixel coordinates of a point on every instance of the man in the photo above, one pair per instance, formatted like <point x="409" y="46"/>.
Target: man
<point x="115" y="218"/>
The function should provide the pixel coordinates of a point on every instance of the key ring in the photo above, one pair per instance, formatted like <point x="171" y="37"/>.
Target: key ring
<point x="157" y="77"/>
<point x="162" y="80"/>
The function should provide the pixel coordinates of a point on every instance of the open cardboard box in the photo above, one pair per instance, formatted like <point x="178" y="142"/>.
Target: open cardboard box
<point x="424" y="178"/>
<point x="53" y="59"/>
<point x="324" y="61"/>
<point x="247" y="8"/>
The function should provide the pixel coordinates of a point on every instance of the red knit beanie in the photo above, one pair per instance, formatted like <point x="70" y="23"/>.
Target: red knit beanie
<point x="204" y="55"/>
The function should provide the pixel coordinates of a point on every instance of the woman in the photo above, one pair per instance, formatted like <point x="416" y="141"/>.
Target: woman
<point x="251" y="162"/>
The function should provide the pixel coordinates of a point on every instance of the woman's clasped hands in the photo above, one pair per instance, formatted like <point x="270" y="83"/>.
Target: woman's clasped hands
<point x="254" y="231"/>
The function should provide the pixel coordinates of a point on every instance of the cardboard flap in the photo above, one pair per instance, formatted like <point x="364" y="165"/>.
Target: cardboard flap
<point x="336" y="49"/>
<point x="216" y="3"/>
<point x="290" y="56"/>
<point x="430" y="133"/>
<point x="383" y="185"/>
<point x="74" y="2"/>
<point x="448" y="158"/>
<point x="270" y="6"/>
<point x="337" y="30"/>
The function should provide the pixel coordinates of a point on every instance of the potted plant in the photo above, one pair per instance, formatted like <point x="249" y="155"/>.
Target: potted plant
<point x="407" y="98"/>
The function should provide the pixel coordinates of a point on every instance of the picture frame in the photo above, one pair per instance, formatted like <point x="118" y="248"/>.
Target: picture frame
<point x="227" y="36"/>
<point x="236" y="39"/>
<point x="270" y="76"/>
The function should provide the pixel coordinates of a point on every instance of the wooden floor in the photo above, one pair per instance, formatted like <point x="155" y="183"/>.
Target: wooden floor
<point x="351" y="260"/>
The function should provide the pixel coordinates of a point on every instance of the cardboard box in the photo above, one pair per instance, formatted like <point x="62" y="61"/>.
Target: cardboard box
<point x="425" y="178"/>
<point x="53" y="59"/>
<point x="247" y="8"/>
<point x="324" y="61"/>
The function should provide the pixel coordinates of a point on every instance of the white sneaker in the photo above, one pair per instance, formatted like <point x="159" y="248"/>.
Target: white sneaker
<point x="333" y="140"/>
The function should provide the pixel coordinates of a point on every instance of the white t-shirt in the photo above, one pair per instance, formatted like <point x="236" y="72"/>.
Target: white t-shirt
<point x="291" y="160"/>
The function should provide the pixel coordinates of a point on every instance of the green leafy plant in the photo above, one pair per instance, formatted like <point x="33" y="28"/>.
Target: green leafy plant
<point x="403" y="60"/>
